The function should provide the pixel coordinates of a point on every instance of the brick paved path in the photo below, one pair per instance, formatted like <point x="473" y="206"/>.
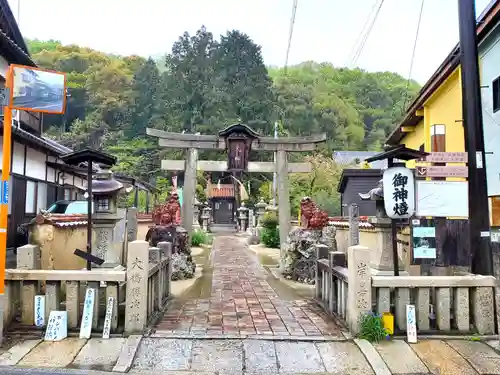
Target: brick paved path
<point x="242" y="302"/>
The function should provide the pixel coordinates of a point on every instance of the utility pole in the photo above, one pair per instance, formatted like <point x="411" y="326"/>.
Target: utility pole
<point x="479" y="226"/>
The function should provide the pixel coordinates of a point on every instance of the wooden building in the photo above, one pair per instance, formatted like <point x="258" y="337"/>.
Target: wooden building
<point x="355" y="181"/>
<point x="36" y="181"/>
<point x="222" y="200"/>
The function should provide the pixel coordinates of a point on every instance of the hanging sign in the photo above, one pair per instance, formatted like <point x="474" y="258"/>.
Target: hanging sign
<point x="399" y="192"/>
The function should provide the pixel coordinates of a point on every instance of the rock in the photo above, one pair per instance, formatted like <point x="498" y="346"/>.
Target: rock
<point x="299" y="256"/>
<point x="182" y="267"/>
<point x="328" y="238"/>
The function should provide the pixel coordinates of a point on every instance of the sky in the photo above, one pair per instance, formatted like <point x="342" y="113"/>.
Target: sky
<point x="324" y="30"/>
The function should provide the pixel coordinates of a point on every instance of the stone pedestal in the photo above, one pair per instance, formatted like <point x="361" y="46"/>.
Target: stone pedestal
<point x="131" y="224"/>
<point x="104" y="246"/>
<point x="359" y="297"/>
<point x="381" y="259"/>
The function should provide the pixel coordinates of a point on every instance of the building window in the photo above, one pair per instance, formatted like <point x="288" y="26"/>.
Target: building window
<point x="496" y="94"/>
<point x="30" y="206"/>
<point x="438" y="138"/>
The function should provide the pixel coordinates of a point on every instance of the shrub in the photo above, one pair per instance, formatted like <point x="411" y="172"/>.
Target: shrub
<point x="371" y="328"/>
<point x="270" y="220"/>
<point x="199" y="237"/>
<point x="270" y="237"/>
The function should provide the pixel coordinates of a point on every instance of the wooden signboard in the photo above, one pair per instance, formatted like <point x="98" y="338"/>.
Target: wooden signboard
<point x="57" y="328"/>
<point x="88" y="313"/>
<point x="442" y="171"/>
<point x="411" y="324"/>
<point x="40" y="310"/>
<point x="445" y="157"/>
<point x="107" y="319"/>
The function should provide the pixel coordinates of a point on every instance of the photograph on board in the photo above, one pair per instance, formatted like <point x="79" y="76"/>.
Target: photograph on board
<point x="38" y="90"/>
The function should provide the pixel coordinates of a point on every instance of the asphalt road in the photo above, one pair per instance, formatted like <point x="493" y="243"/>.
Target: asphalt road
<point x="45" y="104"/>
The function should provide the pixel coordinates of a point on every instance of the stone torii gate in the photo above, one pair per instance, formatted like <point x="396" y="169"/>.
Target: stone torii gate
<point x="237" y="140"/>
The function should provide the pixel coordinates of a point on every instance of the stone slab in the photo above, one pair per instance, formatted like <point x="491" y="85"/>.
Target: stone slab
<point x="99" y="354"/>
<point x="343" y="358"/>
<point x="127" y="354"/>
<point x="400" y="358"/>
<point x="260" y="357"/>
<point x="163" y="355"/>
<point x="17" y="352"/>
<point x="298" y="357"/>
<point x="374" y="359"/>
<point x="53" y="354"/>
<point x="225" y="356"/>
<point x="481" y="356"/>
<point x="441" y="359"/>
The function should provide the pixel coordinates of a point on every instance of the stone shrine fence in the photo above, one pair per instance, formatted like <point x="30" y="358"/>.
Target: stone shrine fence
<point x="443" y="304"/>
<point x="140" y="292"/>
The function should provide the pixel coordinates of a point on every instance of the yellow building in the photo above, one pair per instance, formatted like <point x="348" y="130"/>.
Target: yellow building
<point x="433" y="121"/>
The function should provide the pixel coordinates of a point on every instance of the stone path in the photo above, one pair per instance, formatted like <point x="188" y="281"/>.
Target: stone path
<point x="149" y="355"/>
<point x="242" y="302"/>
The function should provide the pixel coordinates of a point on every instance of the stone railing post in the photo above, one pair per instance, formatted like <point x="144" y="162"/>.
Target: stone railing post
<point x="353" y="224"/>
<point x="321" y="253"/>
<point x="136" y="299"/>
<point x="28" y="258"/>
<point x="131" y="224"/>
<point x="359" y="297"/>
<point x="166" y="253"/>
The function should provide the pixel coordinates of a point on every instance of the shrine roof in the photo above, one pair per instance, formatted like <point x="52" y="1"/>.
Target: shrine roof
<point x="237" y="128"/>
<point x="220" y="191"/>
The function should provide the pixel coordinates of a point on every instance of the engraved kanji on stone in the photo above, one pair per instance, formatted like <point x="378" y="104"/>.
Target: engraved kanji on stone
<point x="136" y="277"/>
<point x="138" y="263"/>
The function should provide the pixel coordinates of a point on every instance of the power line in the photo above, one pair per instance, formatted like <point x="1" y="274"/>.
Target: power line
<point x="290" y="33"/>
<point x="361" y="33"/>
<point x="360" y="49"/>
<point x="413" y="54"/>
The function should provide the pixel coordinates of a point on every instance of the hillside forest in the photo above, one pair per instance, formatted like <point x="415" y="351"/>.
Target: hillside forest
<point x="204" y="84"/>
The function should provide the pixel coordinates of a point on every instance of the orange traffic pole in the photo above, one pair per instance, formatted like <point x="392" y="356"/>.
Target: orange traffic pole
<point x="4" y="198"/>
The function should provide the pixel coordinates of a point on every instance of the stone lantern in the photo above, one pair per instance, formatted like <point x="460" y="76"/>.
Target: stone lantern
<point x="196" y="214"/>
<point x="105" y="191"/>
<point x="242" y="215"/>
<point x="261" y="210"/>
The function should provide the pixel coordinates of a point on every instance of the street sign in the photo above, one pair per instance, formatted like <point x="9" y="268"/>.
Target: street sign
<point x="5" y="192"/>
<point x="445" y="157"/>
<point x="444" y="171"/>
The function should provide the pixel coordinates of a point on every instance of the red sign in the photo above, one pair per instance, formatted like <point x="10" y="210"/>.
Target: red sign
<point x="449" y="171"/>
<point x="446" y="157"/>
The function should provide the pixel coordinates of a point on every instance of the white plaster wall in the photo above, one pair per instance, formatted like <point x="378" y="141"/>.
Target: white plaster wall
<point x="4" y="67"/>
<point x="35" y="164"/>
<point x="18" y="159"/>
<point x="489" y="54"/>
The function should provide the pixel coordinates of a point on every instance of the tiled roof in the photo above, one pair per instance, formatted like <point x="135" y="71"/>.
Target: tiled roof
<point x="61" y="220"/>
<point x="225" y="191"/>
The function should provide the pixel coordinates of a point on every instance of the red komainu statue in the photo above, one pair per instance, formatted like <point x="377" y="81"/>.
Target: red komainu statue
<point x="311" y="215"/>
<point x="166" y="213"/>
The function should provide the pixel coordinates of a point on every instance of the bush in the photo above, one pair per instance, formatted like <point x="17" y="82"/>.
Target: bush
<point x="270" y="237"/>
<point x="199" y="237"/>
<point x="372" y="328"/>
<point x="270" y="220"/>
